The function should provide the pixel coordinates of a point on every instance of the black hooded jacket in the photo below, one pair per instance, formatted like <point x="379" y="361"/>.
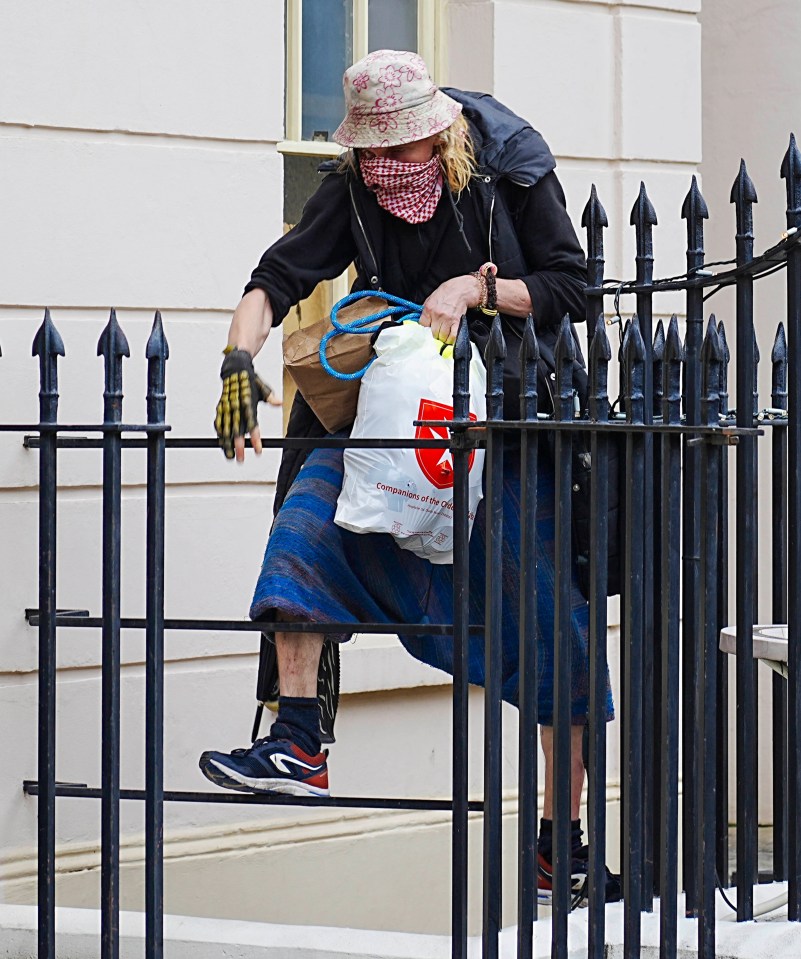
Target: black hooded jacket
<point x="513" y="213"/>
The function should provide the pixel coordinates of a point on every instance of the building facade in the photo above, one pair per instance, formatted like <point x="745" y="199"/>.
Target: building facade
<point x="149" y="152"/>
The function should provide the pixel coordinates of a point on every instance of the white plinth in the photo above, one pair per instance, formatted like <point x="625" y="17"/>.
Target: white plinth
<point x="770" y="645"/>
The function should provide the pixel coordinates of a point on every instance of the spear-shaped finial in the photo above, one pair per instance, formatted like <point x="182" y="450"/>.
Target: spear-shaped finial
<point x="657" y="357"/>
<point x="724" y="343"/>
<point x="778" y="358"/>
<point x="494" y="356"/>
<point x="694" y="211"/>
<point x="462" y="352"/>
<point x="634" y="363"/>
<point x="743" y="196"/>
<point x="711" y="357"/>
<point x="564" y="356"/>
<point x="672" y="360"/>
<point x="791" y="172"/>
<point x="623" y="385"/>
<point x="659" y="341"/>
<point x="529" y="359"/>
<point x="623" y="331"/>
<point x="643" y="219"/>
<point x="598" y="386"/>
<point x="633" y="343"/>
<point x="48" y="345"/>
<point x="757" y="358"/>
<point x="594" y="220"/>
<point x="711" y="346"/>
<point x="112" y="346"/>
<point x="157" y="353"/>
<point x="724" y="369"/>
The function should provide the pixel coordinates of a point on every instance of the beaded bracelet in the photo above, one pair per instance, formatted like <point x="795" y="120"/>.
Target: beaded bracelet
<point x="482" y="295"/>
<point x="488" y="272"/>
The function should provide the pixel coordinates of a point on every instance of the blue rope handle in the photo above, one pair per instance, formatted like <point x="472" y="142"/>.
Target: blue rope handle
<point x="398" y="310"/>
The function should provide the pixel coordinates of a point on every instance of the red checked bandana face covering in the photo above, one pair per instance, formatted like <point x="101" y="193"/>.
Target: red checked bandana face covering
<point x="410" y="191"/>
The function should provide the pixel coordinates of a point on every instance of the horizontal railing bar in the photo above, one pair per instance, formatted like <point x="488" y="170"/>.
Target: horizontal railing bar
<point x="85" y="427"/>
<point x="75" y="791"/>
<point x="303" y="443"/>
<point x="343" y="442"/>
<point x="619" y="426"/>
<point x="773" y="257"/>
<point x="249" y="626"/>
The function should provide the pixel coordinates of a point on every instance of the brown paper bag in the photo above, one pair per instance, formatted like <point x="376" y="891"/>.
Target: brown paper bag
<point x="333" y="401"/>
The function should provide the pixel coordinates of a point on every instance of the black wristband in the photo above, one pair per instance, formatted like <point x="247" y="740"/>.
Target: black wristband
<point x="235" y="362"/>
<point x="487" y="273"/>
<point x="492" y="292"/>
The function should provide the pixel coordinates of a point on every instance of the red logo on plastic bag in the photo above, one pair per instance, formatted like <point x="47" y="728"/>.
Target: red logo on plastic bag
<point x="436" y="463"/>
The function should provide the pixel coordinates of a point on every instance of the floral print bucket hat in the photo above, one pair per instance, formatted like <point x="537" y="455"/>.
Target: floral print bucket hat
<point x="391" y="99"/>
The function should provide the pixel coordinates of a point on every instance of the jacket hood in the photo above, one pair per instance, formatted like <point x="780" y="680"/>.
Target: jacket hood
<point x="506" y="145"/>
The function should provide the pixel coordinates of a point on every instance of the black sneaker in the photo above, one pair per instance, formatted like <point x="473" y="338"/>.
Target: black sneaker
<point x="614" y="887"/>
<point x="579" y="882"/>
<point x="268" y="766"/>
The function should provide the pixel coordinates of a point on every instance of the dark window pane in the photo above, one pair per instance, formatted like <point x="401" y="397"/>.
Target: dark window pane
<point x="392" y="25"/>
<point x="301" y="179"/>
<point x="327" y="52"/>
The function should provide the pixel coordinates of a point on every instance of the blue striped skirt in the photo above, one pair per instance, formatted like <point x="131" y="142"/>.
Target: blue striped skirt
<point x="313" y="570"/>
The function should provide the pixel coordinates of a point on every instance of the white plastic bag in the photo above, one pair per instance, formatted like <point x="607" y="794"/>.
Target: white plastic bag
<point x="409" y="493"/>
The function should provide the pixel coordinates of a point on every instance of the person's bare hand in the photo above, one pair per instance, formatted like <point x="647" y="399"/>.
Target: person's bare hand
<point x="239" y="445"/>
<point x="446" y="306"/>
<point x="267" y="395"/>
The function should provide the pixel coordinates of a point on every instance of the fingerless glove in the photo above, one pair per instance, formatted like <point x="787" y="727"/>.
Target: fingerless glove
<point x="242" y="390"/>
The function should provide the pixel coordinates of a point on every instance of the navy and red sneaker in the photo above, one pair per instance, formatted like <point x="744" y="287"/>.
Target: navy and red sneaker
<point x="268" y="766"/>
<point x="579" y="881"/>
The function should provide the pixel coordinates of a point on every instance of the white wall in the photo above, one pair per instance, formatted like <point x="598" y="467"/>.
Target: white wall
<point x="751" y="104"/>
<point x="138" y="170"/>
<point x="615" y="90"/>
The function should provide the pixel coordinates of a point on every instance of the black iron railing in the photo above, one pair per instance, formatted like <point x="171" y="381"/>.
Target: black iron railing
<point x="673" y="419"/>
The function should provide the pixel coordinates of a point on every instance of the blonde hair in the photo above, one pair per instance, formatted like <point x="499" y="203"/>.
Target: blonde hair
<point x="455" y="150"/>
<point x="456" y="154"/>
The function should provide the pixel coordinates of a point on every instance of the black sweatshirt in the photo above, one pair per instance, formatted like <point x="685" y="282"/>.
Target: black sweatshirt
<point x="342" y="223"/>
<point x="412" y="261"/>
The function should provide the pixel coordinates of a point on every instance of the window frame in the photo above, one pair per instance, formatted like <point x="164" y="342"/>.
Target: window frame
<point x="430" y="45"/>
